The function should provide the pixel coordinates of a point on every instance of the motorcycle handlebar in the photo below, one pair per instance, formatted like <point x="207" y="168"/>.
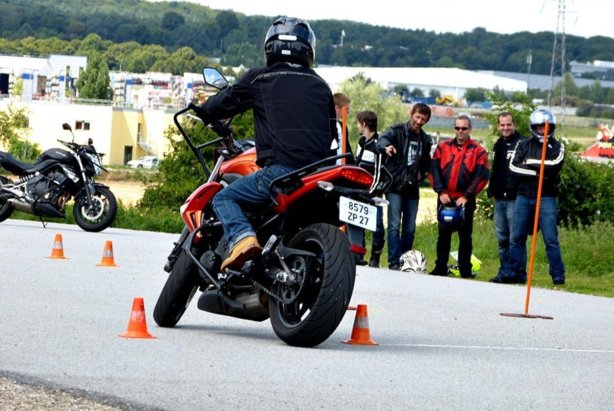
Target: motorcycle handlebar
<point x="69" y="144"/>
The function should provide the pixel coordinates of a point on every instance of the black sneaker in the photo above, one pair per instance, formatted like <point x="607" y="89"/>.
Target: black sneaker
<point x="439" y="273"/>
<point x="502" y="279"/>
<point x="558" y="281"/>
<point x="470" y="275"/>
<point x="360" y="261"/>
<point x="373" y="263"/>
<point x="394" y="267"/>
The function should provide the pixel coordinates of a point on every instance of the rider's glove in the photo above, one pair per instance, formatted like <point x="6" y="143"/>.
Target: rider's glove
<point x="221" y="129"/>
<point x="200" y="112"/>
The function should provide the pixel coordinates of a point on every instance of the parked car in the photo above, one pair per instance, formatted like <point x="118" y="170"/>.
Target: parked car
<point x="144" y="162"/>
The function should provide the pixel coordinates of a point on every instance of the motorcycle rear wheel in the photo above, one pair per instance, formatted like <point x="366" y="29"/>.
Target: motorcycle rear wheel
<point x="177" y="293"/>
<point x="6" y="210"/>
<point x="315" y="308"/>
<point x="100" y="215"/>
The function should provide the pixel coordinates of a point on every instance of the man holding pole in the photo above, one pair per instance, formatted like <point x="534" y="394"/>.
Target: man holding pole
<point x="342" y="144"/>
<point x="527" y="164"/>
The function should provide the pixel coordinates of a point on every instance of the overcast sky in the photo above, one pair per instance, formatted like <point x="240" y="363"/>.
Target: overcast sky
<point x="584" y="18"/>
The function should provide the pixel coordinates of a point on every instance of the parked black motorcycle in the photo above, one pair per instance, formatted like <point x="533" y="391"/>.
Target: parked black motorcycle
<point x="58" y="175"/>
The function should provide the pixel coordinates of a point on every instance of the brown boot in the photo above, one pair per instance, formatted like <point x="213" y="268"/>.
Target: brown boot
<point x="242" y="252"/>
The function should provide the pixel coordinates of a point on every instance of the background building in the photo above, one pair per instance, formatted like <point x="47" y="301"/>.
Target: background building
<point x="41" y="77"/>
<point x="448" y="81"/>
<point x="133" y="124"/>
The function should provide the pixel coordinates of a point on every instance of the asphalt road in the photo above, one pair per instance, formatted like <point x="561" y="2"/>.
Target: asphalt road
<point x="443" y="342"/>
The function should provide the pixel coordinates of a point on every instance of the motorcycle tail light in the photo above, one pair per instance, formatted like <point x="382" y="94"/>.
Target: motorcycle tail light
<point x="357" y="175"/>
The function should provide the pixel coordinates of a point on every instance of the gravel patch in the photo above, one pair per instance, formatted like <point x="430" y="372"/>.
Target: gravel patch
<point x="22" y="394"/>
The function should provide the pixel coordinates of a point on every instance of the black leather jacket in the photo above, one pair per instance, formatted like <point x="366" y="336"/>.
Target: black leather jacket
<point x="367" y="153"/>
<point x="503" y="184"/>
<point x="526" y="164"/>
<point x="294" y="113"/>
<point x="411" y="147"/>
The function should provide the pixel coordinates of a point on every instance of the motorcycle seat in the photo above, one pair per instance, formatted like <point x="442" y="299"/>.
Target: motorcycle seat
<point x="10" y="163"/>
<point x="231" y="177"/>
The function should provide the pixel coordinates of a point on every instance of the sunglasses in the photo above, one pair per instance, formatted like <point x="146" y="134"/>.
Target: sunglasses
<point x="461" y="128"/>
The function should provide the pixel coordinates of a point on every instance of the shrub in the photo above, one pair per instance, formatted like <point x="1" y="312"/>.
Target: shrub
<point x="24" y="150"/>
<point x="587" y="195"/>
<point x="179" y="174"/>
<point x="13" y="125"/>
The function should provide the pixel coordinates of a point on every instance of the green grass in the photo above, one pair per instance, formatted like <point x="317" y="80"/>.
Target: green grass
<point x="588" y="258"/>
<point x="127" y="217"/>
<point x="587" y="252"/>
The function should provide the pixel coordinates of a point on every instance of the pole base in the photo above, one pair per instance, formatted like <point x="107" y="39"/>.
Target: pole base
<point x="541" y="317"/>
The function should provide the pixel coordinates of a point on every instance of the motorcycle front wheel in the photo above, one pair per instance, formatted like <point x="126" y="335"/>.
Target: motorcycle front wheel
<point x="100" y="214"/>
<point x="310" y="311"/>
<point x="180" y="287"/>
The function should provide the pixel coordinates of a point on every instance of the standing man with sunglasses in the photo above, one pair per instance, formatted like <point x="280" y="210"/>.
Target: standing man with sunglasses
<point x="459" y="171"/>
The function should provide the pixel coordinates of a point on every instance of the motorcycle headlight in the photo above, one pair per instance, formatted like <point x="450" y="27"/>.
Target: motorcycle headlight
<point x="96" y="160"/>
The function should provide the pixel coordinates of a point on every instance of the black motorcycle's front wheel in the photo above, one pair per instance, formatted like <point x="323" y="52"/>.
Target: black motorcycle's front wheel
<point x="180" y="287"/>
<point x="310" y="311"/>
<point x="100" y="214"/>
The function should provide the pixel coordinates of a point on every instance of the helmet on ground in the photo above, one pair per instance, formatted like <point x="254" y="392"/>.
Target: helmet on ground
<point x="539" y="118"/>
<point x="451" y="217"/>
<point x="291" y="40"/>
<point x="414" y="261"/>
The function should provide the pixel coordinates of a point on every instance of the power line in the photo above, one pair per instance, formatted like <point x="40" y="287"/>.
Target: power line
<point x="557" y="64"/>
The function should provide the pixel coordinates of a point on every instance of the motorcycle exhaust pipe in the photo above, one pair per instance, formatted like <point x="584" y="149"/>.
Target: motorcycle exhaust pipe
<point x="20" y="205"/>
<point x="247" y="306"/>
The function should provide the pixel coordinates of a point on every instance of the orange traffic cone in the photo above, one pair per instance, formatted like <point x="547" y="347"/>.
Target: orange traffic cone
<point x="360" y="333"/>
<point x="137" y="325"/>
<point x="57" y="252"/>
<point x="107" y="256"/>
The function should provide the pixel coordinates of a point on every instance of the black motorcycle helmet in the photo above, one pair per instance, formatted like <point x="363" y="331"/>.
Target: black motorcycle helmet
<point x="291" y="40"/>
<point x="451" y="217"/>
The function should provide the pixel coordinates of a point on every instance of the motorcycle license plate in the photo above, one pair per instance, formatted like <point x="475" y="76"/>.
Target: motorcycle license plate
<point x="357" y="213"/>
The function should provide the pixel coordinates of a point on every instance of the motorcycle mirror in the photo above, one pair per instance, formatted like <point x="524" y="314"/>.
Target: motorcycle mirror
<point x="214" y="78"/>
<point x="66" y="126"/>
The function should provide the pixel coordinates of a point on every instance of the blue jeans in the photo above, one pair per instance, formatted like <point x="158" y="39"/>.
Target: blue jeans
<point x="400" y="233"/>
<point x="248" y="191"/>
<point x="504" y="217"/>
<point x="377" y="241"/>
<point x="524" y="216"/>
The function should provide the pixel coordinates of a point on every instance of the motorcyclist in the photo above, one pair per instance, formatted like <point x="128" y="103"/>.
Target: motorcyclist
<point x="294" y="120"/>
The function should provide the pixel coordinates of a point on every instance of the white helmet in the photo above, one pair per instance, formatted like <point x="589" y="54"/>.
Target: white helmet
<point x="414" y="261"/>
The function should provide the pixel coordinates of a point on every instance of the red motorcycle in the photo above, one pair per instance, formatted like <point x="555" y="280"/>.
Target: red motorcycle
<point x="312" y="231"/>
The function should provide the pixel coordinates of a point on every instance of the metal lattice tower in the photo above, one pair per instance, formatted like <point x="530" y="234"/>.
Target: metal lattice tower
<point x="557" y="65"/>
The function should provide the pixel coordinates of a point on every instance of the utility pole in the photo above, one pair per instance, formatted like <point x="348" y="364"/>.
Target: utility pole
<point x="529" y="62"/>
<point x="558" y="56"/>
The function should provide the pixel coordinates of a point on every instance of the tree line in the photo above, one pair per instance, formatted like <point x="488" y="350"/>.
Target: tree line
<point x="48" y="26"/>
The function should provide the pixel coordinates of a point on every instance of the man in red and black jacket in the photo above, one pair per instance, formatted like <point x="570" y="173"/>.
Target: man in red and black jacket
<point x="459" y="171"/>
